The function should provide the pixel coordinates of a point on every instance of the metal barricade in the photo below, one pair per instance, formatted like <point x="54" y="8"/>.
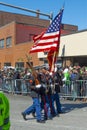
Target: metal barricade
<point x="14" y="86"/>
<point x="69" y="89"/>
<point x="74" y="89"/>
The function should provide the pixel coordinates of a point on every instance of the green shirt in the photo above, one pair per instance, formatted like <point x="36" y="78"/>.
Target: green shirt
<point x="4" y="111"/>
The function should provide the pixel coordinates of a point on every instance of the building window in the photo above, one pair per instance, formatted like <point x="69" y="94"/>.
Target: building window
<point x="45" y="62"/>
<point x="7" y="64"/>
<point x="2" y="43"/>
<point x="45" y="53"/>
<point x="8" y="41"/>
<point x="19" y="64"/>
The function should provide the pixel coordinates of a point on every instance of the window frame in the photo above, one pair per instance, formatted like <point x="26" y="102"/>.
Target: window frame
<point x="2" y="42"/>
<point x="9" y="41"/>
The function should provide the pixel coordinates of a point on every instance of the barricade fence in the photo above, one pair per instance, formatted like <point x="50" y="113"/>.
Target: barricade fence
<point x="71" y="89"/>
<point x="74" y="89"/>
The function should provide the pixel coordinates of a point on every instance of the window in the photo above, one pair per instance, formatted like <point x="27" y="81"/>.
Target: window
<point x="8" y="41"/>
<point x="2" y="43"/>
<point x="45" y="53"/>
<point x="45" y="62"/>
<point x="19" y="64"/>
<point x="7" y="64"/>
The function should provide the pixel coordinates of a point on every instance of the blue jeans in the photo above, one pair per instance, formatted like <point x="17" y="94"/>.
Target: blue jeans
<point x="50" y="105"/>
<point x="45" y="104"/>
<point x="34" y="107"/>
<point x="57" y="101"/>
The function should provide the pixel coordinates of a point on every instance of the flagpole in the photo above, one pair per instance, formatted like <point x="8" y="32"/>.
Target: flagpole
<point x="52" y="68"/>
<point x="60" y="32"/>
<point x="55" y="53"/>
<point x="30" y="66"/>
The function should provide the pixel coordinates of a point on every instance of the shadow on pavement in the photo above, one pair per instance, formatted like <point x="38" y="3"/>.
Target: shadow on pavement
<point x="67" y="107"/>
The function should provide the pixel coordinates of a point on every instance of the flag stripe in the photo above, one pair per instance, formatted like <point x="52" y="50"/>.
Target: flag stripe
<point x="55" y="44"/>
<point x="48" y="41"/>
<point x="50" y="34"/>
<point x="44" y="48"/>
<point x="48" y="37"/>
<point x="36" y="38"/>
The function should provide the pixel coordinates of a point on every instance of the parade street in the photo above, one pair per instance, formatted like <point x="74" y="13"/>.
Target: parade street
<point x="74" y="118"/>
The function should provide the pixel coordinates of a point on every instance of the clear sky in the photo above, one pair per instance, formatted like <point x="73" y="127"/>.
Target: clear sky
<point x="75" y="11"/>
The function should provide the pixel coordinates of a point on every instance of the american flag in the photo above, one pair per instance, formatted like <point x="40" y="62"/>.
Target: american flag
<point x="50" y="39"/>
<point x="36" y="38"/>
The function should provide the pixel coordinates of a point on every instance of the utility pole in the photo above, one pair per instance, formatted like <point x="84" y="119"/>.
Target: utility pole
<point x="50" y="16"/>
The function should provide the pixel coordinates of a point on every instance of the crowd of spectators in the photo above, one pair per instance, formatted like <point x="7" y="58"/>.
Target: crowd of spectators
<point x="68" y="73"/>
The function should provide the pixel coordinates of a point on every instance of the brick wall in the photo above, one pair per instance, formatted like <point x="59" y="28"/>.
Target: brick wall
<point x="15" y="52"/>
<point x="25" y="33"/>
<point x="7" y="17"/>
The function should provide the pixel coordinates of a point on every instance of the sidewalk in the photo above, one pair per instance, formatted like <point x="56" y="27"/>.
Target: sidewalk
<point x="74" y="118"/>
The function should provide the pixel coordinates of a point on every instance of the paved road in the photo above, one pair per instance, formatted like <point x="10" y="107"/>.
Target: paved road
<point x="74" y="118"/>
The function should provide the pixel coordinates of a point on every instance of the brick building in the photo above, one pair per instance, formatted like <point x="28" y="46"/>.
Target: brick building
<point x="16" y="33"/>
